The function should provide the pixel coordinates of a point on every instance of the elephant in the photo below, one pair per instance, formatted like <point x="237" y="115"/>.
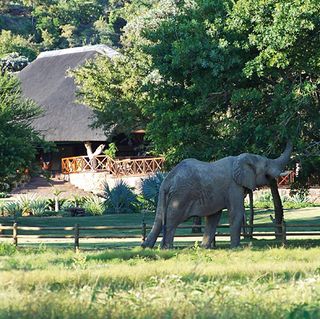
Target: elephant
<point x="196" y="188"/>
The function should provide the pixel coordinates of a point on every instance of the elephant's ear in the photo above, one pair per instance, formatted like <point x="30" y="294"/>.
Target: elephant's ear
<point x="244" y="171"/>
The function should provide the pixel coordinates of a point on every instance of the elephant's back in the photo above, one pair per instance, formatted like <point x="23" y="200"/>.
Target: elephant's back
<point x="192" y="173"/>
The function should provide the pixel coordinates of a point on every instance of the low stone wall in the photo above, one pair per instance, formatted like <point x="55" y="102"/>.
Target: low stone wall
<point x="94" y="181"/>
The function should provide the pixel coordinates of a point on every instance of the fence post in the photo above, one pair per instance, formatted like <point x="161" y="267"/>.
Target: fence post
<point x="76" y="237"/>
<point x="214" y="242"/>
<point x="284" y="232"/>
<point x="144" y="231"/>
<point x="244" y="226"/>
<point x="15" y="234"/>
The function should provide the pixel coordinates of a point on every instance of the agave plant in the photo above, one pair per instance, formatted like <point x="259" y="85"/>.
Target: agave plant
<point x="150" y="188"/>
<point x="120" y="199"/>
<point x="11" y="209"/>
<point x="38" y="207"/>
<point x="24" y="202"/>
<point x="75" y="201"/>
<point x="94" y="205"/>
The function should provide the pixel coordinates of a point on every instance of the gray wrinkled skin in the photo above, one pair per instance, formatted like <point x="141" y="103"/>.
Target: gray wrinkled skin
<point x="195" y="188"/>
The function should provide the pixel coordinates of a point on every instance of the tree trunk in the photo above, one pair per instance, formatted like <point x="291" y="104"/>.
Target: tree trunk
<point x="196" y="221"/>
<point x="56" y="203"/>
<point x="278" y="208"/>
<point x="92" y="155"/>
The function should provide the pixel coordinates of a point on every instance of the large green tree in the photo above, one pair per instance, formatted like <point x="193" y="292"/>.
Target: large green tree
<point x="18" y="141"/>
<point x="213" y="78"/>
<point x="217" y="78"/>
<point x="33" y="25"/>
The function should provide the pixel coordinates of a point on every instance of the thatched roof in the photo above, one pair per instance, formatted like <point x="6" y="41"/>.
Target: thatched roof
<point x="46" y="82"/>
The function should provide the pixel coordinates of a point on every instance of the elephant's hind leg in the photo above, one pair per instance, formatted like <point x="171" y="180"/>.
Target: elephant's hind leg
<point x="210" y="229"/>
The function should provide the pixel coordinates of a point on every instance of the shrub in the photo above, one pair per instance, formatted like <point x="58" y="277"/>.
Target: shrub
<point x="289" y="202"/>
<point x="111" y="150"/>
<point x="38" y="207"/>
<point x="11" y="209"/>
<point x="120" y="199"/>
<point x="75" y="201"/>
<point x="24" y="202"/>
<point x="150" y="188"/>
<point x="94" y="205"/>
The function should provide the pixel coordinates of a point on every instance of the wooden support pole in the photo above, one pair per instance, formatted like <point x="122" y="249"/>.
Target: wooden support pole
<point x="244" y="224"/>
<point x="214" y="242"/>
<point x="251" y="219"/>
<point x="196" y="221"/>
<point x="144" y="231"/>
<point x="15" y="234"/>
<point x="76" y="237"/>
<point x="284" y="233"/>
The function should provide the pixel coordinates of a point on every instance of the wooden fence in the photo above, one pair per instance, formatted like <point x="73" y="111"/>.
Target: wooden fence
<point x="267" y="230"/>
<point x="117" y="167"/>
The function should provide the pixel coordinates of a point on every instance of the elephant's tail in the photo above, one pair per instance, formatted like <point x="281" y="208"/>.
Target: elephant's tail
<point x="160" y="220"/>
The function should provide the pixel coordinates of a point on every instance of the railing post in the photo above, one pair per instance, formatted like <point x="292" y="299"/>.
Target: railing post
<point x="144" y="231"/>
<point x="284" y="233"/>
<point x="76" y="237"/>
<point x="15" y="234"/>
<point x="144" y="166"/>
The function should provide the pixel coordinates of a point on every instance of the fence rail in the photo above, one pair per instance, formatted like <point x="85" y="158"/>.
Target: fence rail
<point x="116" y="167"/>
<point x="77" y="231"/>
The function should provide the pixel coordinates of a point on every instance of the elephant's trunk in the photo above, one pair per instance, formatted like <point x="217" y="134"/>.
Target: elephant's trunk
<point x="284" y="158"/>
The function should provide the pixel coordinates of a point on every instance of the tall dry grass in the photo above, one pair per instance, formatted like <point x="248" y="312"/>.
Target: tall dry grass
<point x="192" y="283"/>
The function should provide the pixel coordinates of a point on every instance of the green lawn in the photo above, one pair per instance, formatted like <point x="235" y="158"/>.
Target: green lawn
<point x="259" y="280"/>
<point x="186" y="283"/>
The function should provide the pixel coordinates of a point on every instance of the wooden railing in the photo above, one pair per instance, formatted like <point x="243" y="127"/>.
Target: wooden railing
<point x="281" y="232"/>
<point x="287" y="179"/>
<point x="115" y="167"/>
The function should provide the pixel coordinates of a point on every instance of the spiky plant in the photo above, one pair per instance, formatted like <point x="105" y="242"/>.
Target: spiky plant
<point x="38" y="207"/>
<point x="24" y="202"/>
<point x="12" y="209"/>
<point x="120" y="199"/>
<point x="150" y="188"/>
<point x="94" y="205"/>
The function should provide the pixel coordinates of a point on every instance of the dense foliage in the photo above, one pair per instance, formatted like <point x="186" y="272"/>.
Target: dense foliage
<point x="18" y="141"/>
<point x="214" y="78"/>
<point x="28" y="27"/>
<point x="206" y="78"/>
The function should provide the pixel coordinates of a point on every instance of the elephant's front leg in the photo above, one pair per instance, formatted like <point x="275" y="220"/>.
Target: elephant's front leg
<point x="236" y="213"/>
<point x="210" y="229"/>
